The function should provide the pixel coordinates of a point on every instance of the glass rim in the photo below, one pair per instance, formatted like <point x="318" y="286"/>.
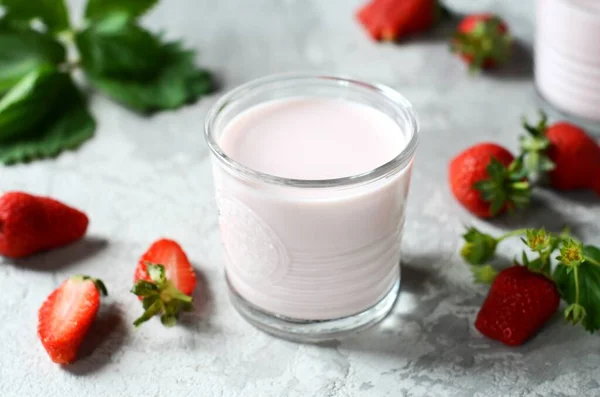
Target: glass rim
<point x="401" y="161"/>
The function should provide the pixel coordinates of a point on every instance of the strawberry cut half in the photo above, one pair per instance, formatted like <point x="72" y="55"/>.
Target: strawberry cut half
<point x="67" y="315"/>
<point x="164" y="281"/>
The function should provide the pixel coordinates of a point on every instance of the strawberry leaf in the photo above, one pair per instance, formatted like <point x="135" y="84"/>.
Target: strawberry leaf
<point x="35" y="124"/>
<point x="24" y="52"/>
<point x="99" y="9"/>
<point x="118" y="48"/>
<point x="52" y="13"/>
<point x="177" y="82"/>
<point x="586" y="279"/>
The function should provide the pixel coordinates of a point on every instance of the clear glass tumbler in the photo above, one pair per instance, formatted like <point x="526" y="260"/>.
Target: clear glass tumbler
<point x="312" y="260"/>
<point x="567" y="60"/>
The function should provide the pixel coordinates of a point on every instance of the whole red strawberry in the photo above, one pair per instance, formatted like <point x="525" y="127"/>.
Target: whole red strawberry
<point x="518" y="304"/>
<point x="164" y="281"/>
<point x="395" y="19"/>
<point x="67" y="315"/>
<point x="569" y="156"/>
<point x="30" y="224"/>
<point x="487" y="180"/>
<point x="482" y="41"/>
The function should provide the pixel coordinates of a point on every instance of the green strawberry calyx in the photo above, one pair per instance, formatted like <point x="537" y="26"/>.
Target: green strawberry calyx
<point x="485" y="43"/>
<point x="534" y="148"/>
<point x="160" y="297"/>
<point x="506" y="187"/>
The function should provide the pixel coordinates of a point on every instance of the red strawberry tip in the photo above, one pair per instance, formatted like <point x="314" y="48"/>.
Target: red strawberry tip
<point x="160" y="297"/>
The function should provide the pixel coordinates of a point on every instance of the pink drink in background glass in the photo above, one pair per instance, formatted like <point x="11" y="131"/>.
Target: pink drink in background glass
<point x="311" y="185"/>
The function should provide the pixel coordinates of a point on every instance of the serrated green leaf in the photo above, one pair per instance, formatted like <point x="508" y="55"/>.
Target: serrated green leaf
<point x="53" y="13"/>
<point x="27" y="103"/>
<point x="177" y="82"/>
<point x="23" y="52"/>
<point x="589" y="291"/>
<point x="99" y="9"/>
<point x="118" y="48"/>
<point x="67" y="126"/>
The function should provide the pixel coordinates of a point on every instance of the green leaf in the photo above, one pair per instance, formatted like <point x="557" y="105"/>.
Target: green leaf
<point x="99" y="9"/>
<point x="592" y="254"/>
<point x="53" y="13"/>
<point x="66" y="126"/>
<point x="28" y="102"/>
<point x="176" y="83"/>
<point x="23" y="52"/>
<point x="118" y="48"/>
<point x="589" y="294"/>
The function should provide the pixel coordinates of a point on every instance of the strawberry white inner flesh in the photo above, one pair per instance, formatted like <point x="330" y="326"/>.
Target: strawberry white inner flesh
<point x="69" y="305"/>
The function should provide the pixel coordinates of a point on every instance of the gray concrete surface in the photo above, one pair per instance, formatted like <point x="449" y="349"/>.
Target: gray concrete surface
<point x="142" y="178"/>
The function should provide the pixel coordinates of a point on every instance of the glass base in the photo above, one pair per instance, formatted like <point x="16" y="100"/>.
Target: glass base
<point x="313" y="331"/>
<point x="590" y="126"/>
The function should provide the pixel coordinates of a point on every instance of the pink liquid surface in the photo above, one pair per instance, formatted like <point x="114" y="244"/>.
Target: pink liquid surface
<point x="312" y="254"/>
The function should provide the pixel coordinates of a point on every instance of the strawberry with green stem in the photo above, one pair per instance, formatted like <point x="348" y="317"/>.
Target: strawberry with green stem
<point x="483" y="41"/>
<point x="561" y="153"/>
<point x="487" y="180"/>
<point x="164" y="281"/>
<point x="576" y="278"/>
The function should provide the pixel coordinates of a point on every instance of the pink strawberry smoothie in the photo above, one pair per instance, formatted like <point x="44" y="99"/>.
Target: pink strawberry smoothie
<point x="312" y="253"/>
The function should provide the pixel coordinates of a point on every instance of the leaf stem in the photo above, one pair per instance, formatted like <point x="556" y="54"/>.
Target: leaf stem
<point x="591" y="260"/>
<point x="576" y="275"/>
<point x="512" y="234"/>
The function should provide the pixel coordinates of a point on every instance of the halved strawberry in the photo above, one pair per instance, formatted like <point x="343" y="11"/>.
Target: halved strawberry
<point x="164" y="281"/>
<point x="66" y="316"/>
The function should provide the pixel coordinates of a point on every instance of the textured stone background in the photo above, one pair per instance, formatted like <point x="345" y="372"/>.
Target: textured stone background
<point x="140" y="179"/>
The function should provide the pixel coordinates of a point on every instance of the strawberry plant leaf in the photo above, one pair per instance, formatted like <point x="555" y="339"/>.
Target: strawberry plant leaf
<point x="177" y="82"/>
<point x="23" y="52"/>
<point x="68" y="124"/>
<point x="589" y="293"/>
<point x="118" y="48"/>
<point x="52" y="13"/>
<point x="26" y="104"/>
<point x="99" y="9"/>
